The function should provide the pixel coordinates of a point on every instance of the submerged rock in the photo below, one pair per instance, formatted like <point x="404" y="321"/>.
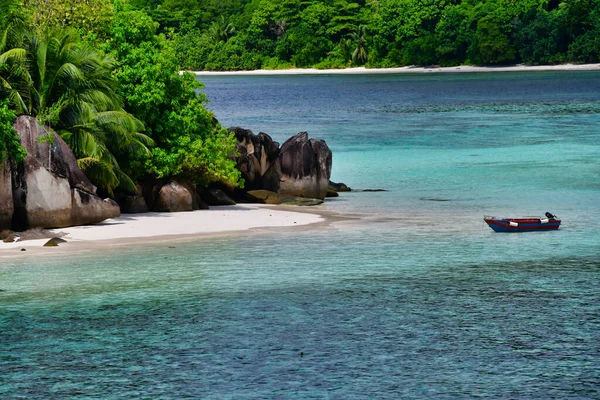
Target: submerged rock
<point x="339" y="187"/>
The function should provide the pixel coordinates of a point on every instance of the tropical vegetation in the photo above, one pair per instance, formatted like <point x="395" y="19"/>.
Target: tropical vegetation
<point x="110" y="87"/>
<point x="250" y="34"/>
<point x="105" y="75"/>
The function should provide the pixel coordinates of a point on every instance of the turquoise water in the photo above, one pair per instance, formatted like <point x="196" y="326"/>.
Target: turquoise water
<point x="416" y="299"/>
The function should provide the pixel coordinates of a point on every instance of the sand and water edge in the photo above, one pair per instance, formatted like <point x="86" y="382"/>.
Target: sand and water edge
<point x="153" y="228"/>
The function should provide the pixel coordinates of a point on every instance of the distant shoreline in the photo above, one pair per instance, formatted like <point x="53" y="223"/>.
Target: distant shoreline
<point x="404" y="70"/>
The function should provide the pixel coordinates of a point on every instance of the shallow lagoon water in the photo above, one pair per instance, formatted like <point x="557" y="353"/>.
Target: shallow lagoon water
<point x="417" y="299"/>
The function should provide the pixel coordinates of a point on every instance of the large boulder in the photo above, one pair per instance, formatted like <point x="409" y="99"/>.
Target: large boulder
<point x="257" y="160"/>
<point x="305" y="167"/>
<point x="42" y="199"/>
<point x="6" y="196"/>
<point x="89" y="209"/>
<point x="46" y="149"/>
<point x="215" y="197"/>
<point x="132" y="203"/>
<point x="173" y="197"/>
<point x="49" y="188"/>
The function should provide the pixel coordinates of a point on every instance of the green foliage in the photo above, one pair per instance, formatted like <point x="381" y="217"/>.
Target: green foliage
<point x="188" y="142"/>
<point x="68" y="85"/>
<point x="314" y="33"/>
<point x="89" y="18"/>
<point x="10" y="144"/>
<point x="359" y="55"/>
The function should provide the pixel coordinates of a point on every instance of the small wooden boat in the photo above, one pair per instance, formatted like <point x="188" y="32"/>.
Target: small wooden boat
<point x="526" y="224"/>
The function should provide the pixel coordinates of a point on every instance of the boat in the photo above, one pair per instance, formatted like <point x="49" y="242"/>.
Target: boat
<point x="525" y="224"/>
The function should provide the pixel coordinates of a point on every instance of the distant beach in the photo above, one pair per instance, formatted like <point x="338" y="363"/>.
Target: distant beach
<point x="408" y="70"/>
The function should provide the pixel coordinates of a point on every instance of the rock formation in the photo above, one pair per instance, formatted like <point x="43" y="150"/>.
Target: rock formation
<point x="6" y="197"/>
<point x="301" y="167"/>
<point x="268" y="197"/>
<point x="49" y="190"/>
<point x="257" y="160"/>
<point x="90" y="209"/>
<point x="216" y="197"/>
<point x="132" y="203"/>
<point x="305" y="167"/>
<point x="173" y="197"/>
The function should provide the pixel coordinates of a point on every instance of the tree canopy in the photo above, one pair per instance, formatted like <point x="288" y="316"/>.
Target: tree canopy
<point x="377" y="33"/>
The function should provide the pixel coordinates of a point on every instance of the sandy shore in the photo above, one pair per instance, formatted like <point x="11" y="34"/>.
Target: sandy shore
<point x="161" y="227"/>
<point x="408" y="70"/>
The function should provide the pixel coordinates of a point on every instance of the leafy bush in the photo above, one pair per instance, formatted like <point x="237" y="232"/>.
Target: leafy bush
<point x="10" y="144"/>
<point x="188" y="141"/>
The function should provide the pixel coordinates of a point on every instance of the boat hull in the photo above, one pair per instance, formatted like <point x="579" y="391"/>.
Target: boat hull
<point x="522" y="224"/>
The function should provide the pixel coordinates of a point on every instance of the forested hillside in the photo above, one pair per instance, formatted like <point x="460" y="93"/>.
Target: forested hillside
<point x="251" y="34"/>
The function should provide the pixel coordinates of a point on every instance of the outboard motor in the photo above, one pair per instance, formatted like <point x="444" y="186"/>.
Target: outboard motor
<point x="550" y="216"/>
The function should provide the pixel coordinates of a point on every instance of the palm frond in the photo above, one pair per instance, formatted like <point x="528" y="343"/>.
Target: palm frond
<point x="100" y="172"/>
<point x="125" y="182"/>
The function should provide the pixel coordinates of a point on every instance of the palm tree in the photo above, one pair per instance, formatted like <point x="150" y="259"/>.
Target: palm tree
<point x="221" y="30"/>
<point x="68" y="85"/>
<point x="359" y="55"/>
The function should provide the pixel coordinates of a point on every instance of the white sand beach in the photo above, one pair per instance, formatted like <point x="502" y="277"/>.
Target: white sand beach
<point x="407" y="70"/>
<point x="160" y="227"/>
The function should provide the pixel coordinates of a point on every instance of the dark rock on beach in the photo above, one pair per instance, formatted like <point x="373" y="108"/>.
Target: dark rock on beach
<point x="133" y="204"/>
<point x="173" y="197"/>
<point x="6" y="233"/>
<point x="215" y="197"/>
<point x="90" y="209"/>
<point x="265" y="196"/>
<point x="54" y="242"/>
